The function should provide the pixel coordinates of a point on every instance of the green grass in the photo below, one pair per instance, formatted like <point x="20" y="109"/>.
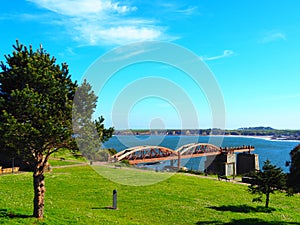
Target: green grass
<point x="79" y="195"/>
<point x="58" y="162"/>
<point x="64" y="157"/>
<point x="67" y="155"/>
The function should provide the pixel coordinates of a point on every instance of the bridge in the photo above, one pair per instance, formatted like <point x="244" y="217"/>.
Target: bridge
<point x="152" y="154"/>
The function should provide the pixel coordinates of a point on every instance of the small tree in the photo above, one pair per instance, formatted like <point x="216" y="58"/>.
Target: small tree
<point x="36" y="99"/>
<point x="89" y="134"/>
<point x="294" y="175"/>
<point x="267" y="181"/>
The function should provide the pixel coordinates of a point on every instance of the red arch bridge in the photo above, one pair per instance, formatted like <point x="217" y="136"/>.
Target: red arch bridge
<point x="152" y="154"/>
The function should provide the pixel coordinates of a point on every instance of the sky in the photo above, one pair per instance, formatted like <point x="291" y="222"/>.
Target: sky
<point x="251" y="48"/>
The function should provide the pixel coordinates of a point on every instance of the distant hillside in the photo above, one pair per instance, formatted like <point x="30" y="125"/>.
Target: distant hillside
<point x="256" y="128"/>
<point x="246" y="131"/>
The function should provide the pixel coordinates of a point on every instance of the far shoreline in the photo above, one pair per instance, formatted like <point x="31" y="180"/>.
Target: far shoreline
<point x="267" y="137"/>
<point x="261" y="132"/>
<point x="263" y="137"/>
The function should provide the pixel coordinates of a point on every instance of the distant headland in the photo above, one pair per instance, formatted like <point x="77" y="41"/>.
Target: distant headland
<point x="244" y="131"/>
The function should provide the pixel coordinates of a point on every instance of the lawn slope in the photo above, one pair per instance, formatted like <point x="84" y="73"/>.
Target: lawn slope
<point x="79" y="195"/>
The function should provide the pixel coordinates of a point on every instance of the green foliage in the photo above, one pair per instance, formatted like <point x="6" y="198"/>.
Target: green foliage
<point x="89" y="134"/>
<point x="125" y="162"/>
<point x="112" y="151"/>
<point x="294" y="175"/>
<point x="267" y="181"/>
<point x="36" y="101"/>
<point x="35" y="105"/>
<point x="103" y="155"/>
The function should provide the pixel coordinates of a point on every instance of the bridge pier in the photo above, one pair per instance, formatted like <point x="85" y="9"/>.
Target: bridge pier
<point x="232" y="164"/>
<point x="223" y="164"/>
<point x="219" y="160"/>
<point x="247" y="163"/>
<point x="178" y="162"/>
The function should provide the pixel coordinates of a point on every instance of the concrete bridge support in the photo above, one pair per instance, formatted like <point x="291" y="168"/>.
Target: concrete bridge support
<point x="173" y="163"/>
<point x="223" y="164"/>
<point x="231" y="164"/>
<point x="247" y="163"/>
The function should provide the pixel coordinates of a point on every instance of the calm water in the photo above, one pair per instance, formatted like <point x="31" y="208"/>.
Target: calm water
<point x="276" y="151"/>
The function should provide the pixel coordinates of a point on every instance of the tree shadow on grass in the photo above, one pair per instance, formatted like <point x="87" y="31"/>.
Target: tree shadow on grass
<point x="10" y="214"/>
<point x="242" y="208"/>
<point x="104" y="207"/>
<point x="249" y="221"/>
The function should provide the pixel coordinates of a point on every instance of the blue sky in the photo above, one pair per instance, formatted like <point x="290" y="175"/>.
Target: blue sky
<point x="251" y="47"/>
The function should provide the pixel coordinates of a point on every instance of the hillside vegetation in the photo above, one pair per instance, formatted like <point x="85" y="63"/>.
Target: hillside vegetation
<point x="247" y="131"/>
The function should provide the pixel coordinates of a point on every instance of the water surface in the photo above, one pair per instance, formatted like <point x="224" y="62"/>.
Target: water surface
<point x="276" y="151"/>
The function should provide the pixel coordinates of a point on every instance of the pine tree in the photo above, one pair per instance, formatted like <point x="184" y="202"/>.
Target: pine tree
<point x="36" y="99"/>
<point x="88" y="132"/>
<point x="267" y="181"/>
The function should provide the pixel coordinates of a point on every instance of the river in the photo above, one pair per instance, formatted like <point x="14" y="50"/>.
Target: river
<point x="276" y="151"/>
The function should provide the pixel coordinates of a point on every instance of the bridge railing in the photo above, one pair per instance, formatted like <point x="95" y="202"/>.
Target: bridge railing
<point x="141" y="154"/>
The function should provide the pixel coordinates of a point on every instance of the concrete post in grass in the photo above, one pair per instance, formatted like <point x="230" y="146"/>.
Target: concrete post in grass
<point x="115" y="199"/>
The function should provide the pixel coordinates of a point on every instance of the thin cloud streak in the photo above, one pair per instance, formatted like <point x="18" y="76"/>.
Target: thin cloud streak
<point x="226" y="53"/>
<point x="187" y="11"/>
<point x="273" y="36"/>
<point x="120" y="56"/>
<point x="181" y="10"/>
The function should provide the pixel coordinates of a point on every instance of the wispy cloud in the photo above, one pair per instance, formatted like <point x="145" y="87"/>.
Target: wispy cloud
<point x="102" y="22"/>
<point x="226" y="53"/>
<point x="95" y="34"/>
<point x="272" y="36"/>
<point x="187" y="11"/>
<point x="127" y="53"/>
<point x="85" y="7"/>
<point x="179" y="9"/>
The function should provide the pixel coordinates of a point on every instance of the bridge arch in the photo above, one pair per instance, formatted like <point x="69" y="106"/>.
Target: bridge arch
<point x="198" y="148"/>
<point x="140" y="154"/>
<point x="145" y="154"/>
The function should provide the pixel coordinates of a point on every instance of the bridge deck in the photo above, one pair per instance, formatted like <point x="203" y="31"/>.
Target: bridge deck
<point x="149" y="154"/>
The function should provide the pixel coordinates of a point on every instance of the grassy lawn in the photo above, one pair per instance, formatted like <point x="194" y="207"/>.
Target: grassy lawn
<point x="65" y="158"/>
<point x="58" y="162"/>
<point x="67" y="155"/>
<point x="79" y="195"/>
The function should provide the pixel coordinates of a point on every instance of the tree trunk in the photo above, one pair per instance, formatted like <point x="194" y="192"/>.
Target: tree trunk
<point x="267" y="199"/>
<point x="39" y="194"/>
